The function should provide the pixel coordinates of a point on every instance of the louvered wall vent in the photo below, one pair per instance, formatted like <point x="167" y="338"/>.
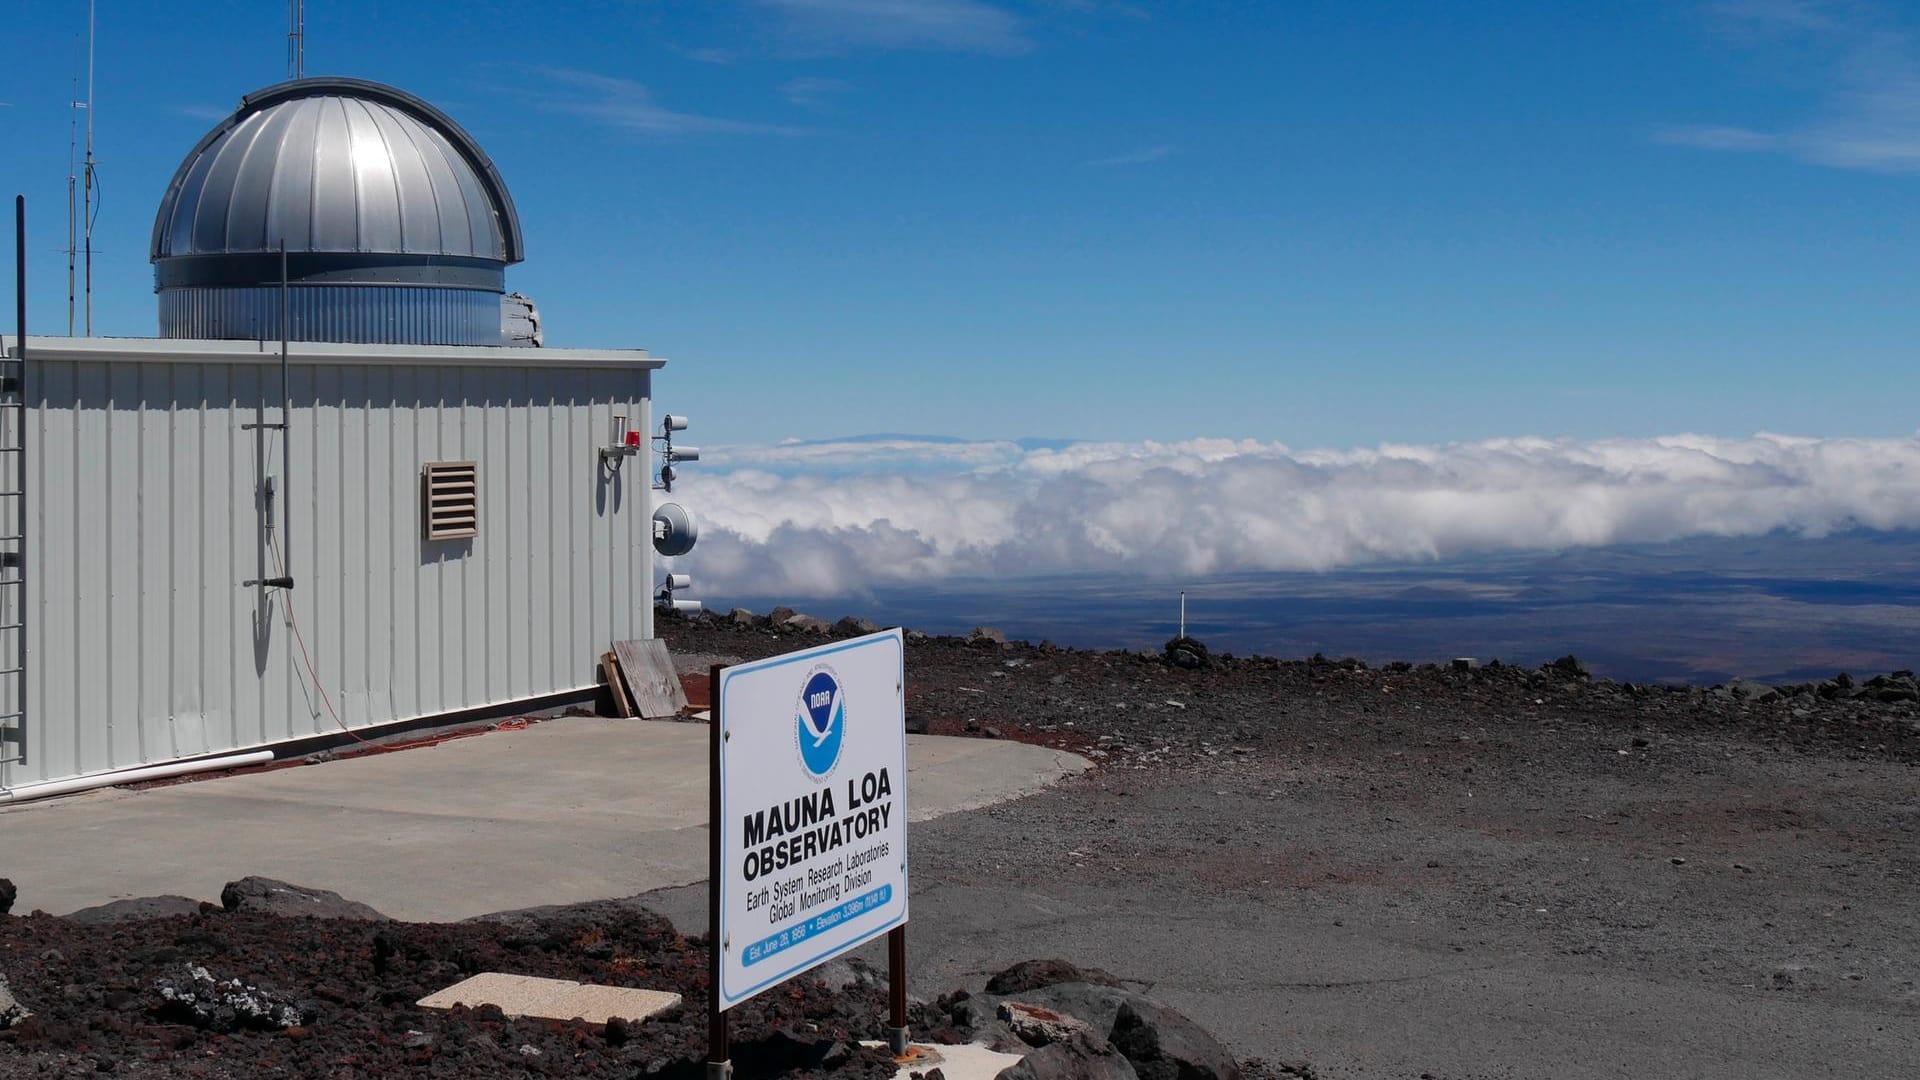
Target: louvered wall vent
<point x="451" y="492"/>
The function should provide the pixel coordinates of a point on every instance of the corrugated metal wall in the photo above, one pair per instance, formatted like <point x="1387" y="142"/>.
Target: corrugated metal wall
<point x="144" y="523"/>
<point x="388" y="313"/>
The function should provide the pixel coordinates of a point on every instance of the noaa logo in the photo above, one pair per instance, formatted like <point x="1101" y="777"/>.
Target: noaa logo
<point x="820" y="724"/>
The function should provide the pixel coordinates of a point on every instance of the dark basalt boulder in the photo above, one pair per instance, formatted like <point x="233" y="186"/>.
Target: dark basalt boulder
<point x="1189" y="653"/>
<point x="1162" y="1044"/>
<point x="1082" y="1057"/>
<point x="1033" y="974"/>
<point x="1567" y="667"/>
<point x="137" y="908"/>
<point x="269" y="897"/>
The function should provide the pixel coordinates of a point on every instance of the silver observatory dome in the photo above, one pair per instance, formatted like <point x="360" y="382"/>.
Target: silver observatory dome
<point x="397" y="227"/>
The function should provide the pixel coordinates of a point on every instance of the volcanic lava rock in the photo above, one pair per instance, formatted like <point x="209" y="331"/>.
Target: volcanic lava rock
<point x="1899" y="686"/>
<point x="135" y="909"/>
<point x="1186" y="652"/>
<point x="8" y="893"/>
<point x="778" y="616"/>
<point x="1082" y="1057"/>
<point x="1567" y="667"/>
<point x="269" y="897"/>
<point x="977" y="1017"/>
<point x="742" y="617"/>
<point x="1162" y="1044"/>
<point x="848" y="971"/>
<point x="1040" y="1026"/>
<point x="95" y="993"/>
<point x="854" y="627"/>
<point x="807" y="624"/>
<point x="1098" y="1005"/>
<point x="1034" y="974"/>
<point x="987" y="637"/>
<point x="1748" y="690"/>
<point x="195" y="997"/>
<point x="11" y="1011"/>
<point x="788" y="1053"/>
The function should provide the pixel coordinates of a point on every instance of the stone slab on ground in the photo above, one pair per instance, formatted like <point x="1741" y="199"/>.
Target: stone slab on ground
<point x="552" y="999"/>
<point x="968" y="1061"/>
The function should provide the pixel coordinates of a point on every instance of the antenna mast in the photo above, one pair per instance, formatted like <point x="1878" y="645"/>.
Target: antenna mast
<point x="296" y="38"/>
<point x="88" y="184"/>
<point x="73" y="203"/>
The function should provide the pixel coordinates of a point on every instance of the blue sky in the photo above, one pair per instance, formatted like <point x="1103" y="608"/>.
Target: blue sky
<point x="1323" y="224"/>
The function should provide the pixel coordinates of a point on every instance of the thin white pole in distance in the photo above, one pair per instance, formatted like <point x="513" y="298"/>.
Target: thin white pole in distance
<point x="1183" y="613"/>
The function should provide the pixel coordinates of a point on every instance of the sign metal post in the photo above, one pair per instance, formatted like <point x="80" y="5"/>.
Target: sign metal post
<point x="897" y="1040"/>
<point x="719" y="1055"/>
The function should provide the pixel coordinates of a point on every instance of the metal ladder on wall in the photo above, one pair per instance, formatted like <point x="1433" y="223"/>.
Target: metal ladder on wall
<point x="13" y="522"/>
<point x="13" y="558"/>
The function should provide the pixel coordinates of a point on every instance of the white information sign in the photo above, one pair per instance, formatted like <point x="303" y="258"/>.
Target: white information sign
<point x="812" y="831"/>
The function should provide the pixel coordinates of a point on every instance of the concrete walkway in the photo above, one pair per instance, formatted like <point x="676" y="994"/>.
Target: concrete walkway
<point x="568" y="810"/>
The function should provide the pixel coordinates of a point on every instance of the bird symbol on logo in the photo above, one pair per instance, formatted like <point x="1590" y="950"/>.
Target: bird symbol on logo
<point x="820" y="725"/>
<point x="835" y="712"/>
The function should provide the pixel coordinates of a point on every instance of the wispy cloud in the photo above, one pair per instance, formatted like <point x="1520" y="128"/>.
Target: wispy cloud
<point x="630" y="106"/>
<point x="1867" y="115"/>
<point x="812" y="92"/>
<point x="943" y="25"/>
<point x="1717" y="137"/>
<point x="1747" y="17"/>
<point x="208" y="113"/>
<point x="825" y="519"/>
<point x="711" y="56"/>
<point x="1136" y="157"/>
<point x="1122" y="8"/>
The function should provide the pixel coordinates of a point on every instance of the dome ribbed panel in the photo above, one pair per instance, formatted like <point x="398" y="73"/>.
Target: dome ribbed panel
<point x="247" y="212"/>
<point x="290" y="195"/>
<point x="419" y="203"/>
<point x="332" y="173"/>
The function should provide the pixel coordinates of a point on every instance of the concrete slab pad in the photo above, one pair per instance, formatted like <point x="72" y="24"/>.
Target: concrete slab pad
<point x="574" y="809"/>
<point x="969" y="1061"/>
<point x="552" y="999"/>
<point x="597" y="1004"/>
<point x="515" y="995"/>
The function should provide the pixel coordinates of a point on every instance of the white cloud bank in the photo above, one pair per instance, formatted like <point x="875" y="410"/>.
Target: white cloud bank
<point x="826" y="519"/>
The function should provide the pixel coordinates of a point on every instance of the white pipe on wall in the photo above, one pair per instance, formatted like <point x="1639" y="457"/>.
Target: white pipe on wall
<point x="130" y="776"/>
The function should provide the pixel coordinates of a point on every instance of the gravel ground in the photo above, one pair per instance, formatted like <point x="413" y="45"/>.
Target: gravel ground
<point x="1340" y="871"/>
<point x="1501" y="871"/>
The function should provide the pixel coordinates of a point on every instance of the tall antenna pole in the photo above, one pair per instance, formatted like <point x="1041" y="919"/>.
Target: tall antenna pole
<point x="296" y="38"/>
<point x="87" y="195"/>
<point x="73" y="205"/>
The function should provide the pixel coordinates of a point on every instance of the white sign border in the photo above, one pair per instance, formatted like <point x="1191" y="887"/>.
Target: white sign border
<point x="721" y="937"/>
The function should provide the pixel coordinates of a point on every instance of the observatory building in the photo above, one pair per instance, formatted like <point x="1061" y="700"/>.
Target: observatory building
<point x="346" y="488"/>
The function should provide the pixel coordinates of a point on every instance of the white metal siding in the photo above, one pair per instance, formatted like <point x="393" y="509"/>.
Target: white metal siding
<point x="144" y="522"/>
